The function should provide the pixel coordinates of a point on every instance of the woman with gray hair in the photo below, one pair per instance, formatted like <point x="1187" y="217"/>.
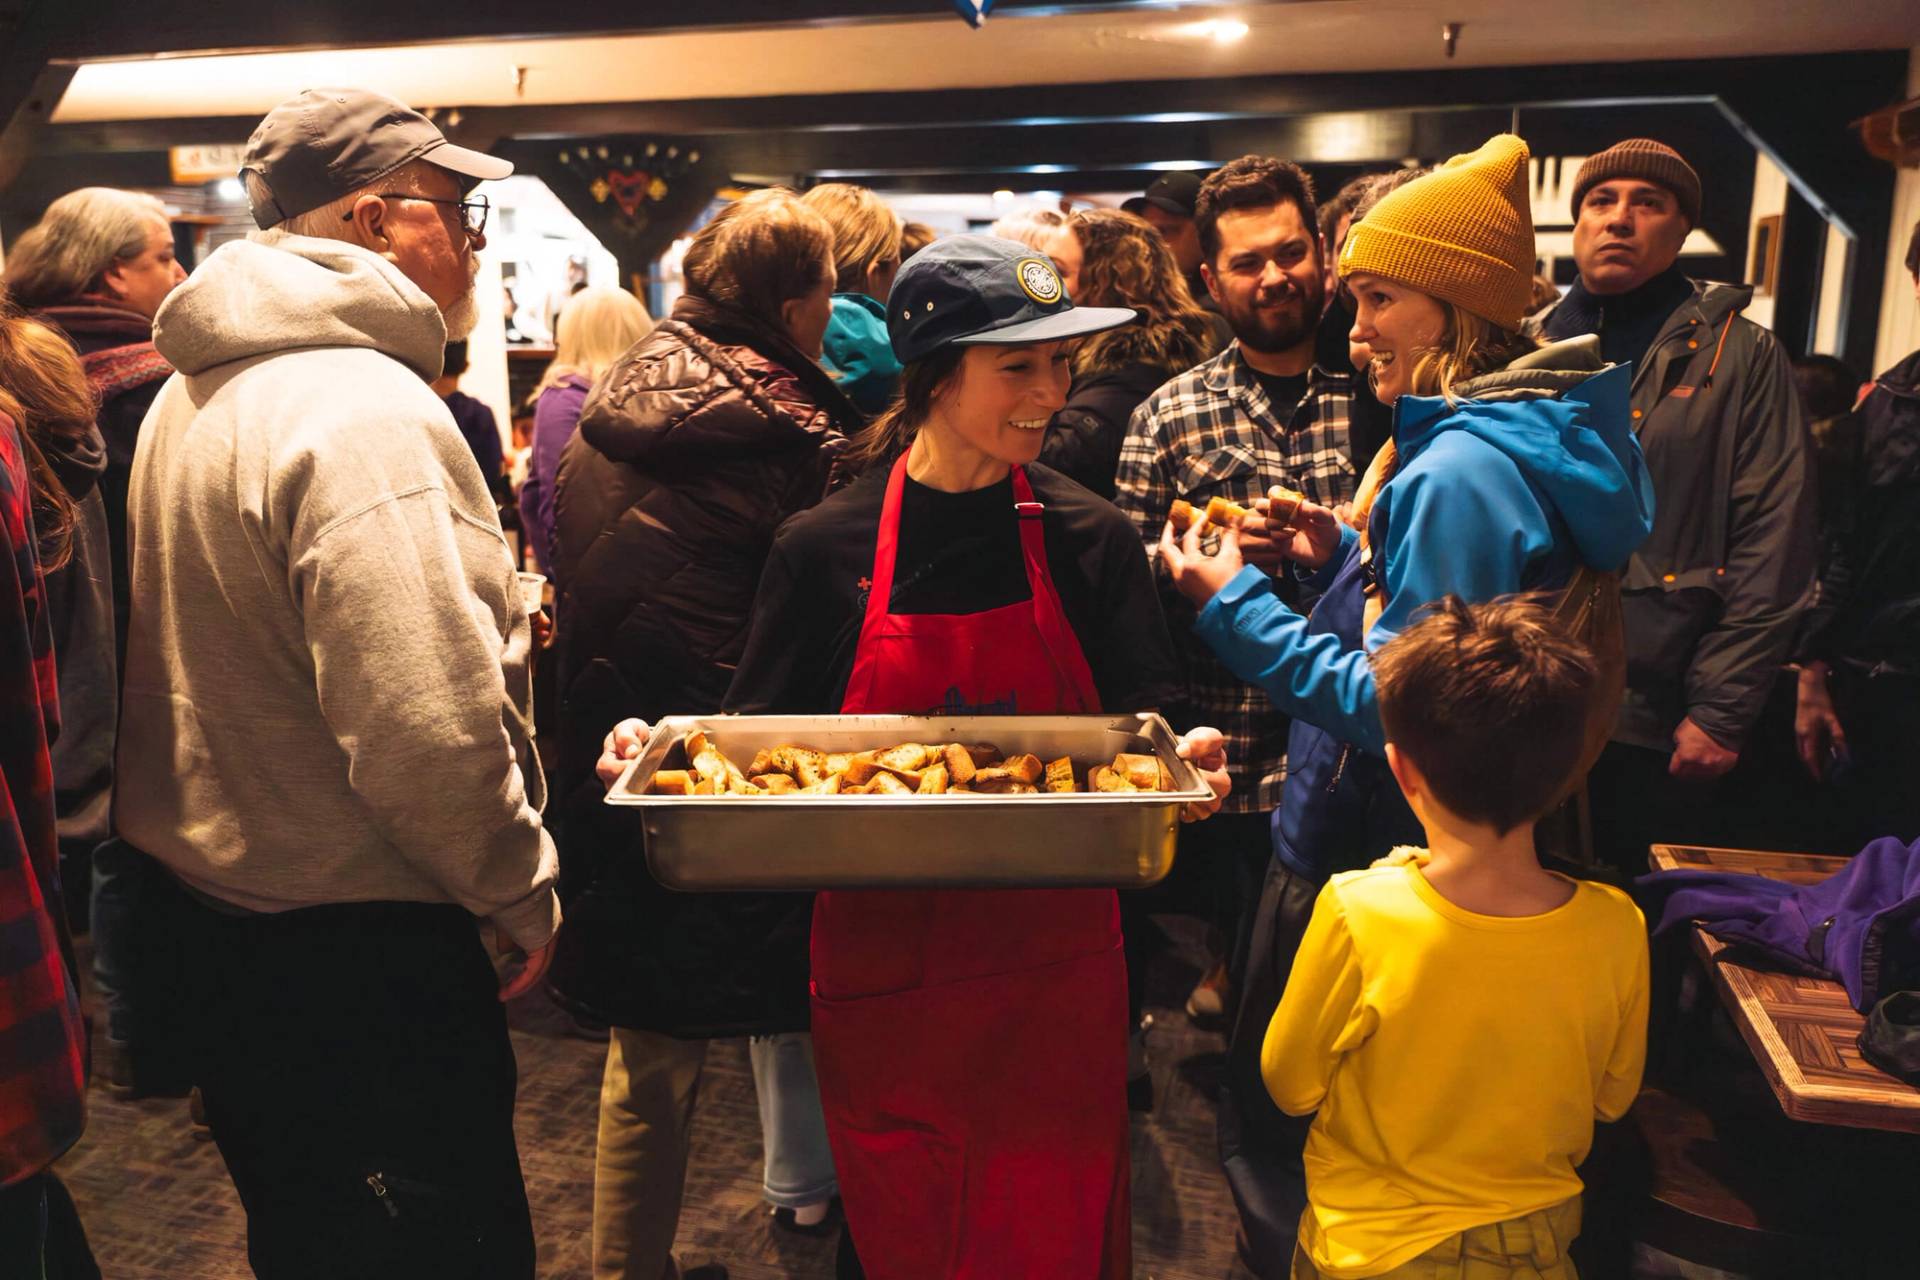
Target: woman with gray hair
<point x="97" y="266"/>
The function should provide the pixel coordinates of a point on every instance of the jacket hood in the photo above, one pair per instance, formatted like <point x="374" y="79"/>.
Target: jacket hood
<point x="283" y="292"/>
<point x="78" y="461"/>
<point x="1563" y="418"/>
<point x="1717" y="301"/>
<point x="681" y="398"/>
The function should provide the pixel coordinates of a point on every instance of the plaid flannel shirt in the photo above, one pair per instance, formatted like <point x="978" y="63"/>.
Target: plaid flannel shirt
<point x="42" y="1079"/>
<point x="1210" y="432"/>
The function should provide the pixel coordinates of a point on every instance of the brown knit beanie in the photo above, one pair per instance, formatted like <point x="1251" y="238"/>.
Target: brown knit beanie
<point x="1647" y="160"/>
<point x="1463" y="233"/>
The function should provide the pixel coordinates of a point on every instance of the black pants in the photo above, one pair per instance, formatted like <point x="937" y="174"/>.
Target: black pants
<point x="1261" y="1146"/>
<point x="1215" y="875"/>
<point x="40" y="1232"/>
<point x="360" y="1084"/>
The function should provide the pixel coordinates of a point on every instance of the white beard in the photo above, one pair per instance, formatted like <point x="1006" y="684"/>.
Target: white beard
<point x="462" y="316"/>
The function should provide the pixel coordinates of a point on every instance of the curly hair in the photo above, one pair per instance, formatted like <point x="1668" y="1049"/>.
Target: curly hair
<point x="1128" y="264"/>
<point x="1251" y="182"/>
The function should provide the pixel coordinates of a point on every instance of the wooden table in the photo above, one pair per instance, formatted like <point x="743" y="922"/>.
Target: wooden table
<point x="1802" y="1031"/>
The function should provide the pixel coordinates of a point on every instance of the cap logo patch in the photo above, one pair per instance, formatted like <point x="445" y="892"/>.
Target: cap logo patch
<point x="1040" y="281"/>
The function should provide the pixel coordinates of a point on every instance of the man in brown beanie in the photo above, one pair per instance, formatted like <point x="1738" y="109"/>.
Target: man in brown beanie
<point x="1712" y="599"/>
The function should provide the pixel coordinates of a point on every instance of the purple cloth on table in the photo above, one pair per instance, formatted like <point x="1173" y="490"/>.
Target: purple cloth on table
<point x="482" y="432"/>
<point x="1859" y="926"/>
<point x="555" y="415"/>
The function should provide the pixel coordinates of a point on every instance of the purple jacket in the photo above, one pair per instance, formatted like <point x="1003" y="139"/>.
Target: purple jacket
<point x="1859" y="926"/>
<point x="555" y="415"/>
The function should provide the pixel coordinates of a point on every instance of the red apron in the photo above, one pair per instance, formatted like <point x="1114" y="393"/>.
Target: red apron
<point x="971" y="1044"/>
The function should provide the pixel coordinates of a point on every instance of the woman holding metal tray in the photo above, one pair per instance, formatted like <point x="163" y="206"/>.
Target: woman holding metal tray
<point x="970" y="1044"/>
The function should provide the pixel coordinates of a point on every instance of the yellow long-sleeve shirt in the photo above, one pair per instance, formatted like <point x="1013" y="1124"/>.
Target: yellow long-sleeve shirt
<point x="1457" y="1060"/>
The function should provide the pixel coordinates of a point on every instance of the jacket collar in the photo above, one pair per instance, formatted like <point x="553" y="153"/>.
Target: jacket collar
<point x="1230" y="376"/>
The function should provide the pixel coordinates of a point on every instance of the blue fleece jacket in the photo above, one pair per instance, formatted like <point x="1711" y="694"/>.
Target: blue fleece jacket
<point x="1490" y="497"/>
<point x="858" y="352"/>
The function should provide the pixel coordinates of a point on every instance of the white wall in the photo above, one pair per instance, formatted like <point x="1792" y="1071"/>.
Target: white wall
<point x="1833" y="293"/>
<point x="1769" y="198"/>
<point x="1899" y="311"/>
<point x="486" y="376"/>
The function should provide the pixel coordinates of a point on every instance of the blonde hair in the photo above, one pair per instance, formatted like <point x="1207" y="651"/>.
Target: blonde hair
<point x="915" y="236"/>
<point x="1128" y="264"/>
<point x="44" y="389"/>
<point x="866" y="233"/>
<point x="81" y="234"/>
<point x="1470" y="346"/>
<point x="765" y="249"/>
<point x="1034" y="228"/>
<point x="597" y="326"/>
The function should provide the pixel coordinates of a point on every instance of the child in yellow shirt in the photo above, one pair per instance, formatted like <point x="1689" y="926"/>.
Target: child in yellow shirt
<point x="1460" y="1018"/>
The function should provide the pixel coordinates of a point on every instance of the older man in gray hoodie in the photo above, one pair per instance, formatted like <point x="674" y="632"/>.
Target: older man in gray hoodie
<point x="326" y="736"/>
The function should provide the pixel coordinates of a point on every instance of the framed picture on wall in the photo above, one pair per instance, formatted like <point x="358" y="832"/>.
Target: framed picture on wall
<point x="1764" y="274"/>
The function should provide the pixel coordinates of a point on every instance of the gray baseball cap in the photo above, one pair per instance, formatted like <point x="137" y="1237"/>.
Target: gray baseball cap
<point x="319" y="146"/>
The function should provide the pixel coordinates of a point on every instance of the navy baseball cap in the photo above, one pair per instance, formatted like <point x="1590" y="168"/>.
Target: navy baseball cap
<point x="982" y="290"/>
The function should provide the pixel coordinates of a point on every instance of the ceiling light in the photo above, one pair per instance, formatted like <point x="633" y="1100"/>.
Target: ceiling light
<point x="1218" y="30"/>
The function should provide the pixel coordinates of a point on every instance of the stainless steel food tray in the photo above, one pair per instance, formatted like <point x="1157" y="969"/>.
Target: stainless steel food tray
<point x="708" y="843"/>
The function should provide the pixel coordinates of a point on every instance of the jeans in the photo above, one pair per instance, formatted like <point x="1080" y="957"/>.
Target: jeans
<point x="1262" y="1149"/>
<point x="799" y="1164"/>
<point x="1531" y="1247"/>
<point x="119" y="873"/>
<point x="359" y="1083"/>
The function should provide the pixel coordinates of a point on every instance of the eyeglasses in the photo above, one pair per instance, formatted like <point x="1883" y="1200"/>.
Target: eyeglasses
<point x="473" y="212"/>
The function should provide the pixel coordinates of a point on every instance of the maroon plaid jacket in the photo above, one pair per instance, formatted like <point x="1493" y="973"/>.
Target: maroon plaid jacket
<point x="42" y="1077"/>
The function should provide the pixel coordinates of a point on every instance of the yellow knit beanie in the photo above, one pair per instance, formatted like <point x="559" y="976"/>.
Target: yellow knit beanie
<point x="1463" y="233"/>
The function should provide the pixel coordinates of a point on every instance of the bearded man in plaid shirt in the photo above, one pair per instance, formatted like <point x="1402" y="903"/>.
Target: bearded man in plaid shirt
<point x="1280" y="406"/>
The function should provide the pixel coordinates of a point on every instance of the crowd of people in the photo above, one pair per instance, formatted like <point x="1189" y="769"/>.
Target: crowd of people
<point x="1567" y="575"/>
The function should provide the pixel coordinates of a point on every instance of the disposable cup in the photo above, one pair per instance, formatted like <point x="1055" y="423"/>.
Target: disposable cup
<point x="533" y="591"/>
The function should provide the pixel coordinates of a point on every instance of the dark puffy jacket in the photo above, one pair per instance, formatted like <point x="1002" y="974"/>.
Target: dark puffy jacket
<point x="1871" y="597"/>
<point x="1714" y="599"/>
<point x="1083" y="441"/>
<point x="692" y="450"/>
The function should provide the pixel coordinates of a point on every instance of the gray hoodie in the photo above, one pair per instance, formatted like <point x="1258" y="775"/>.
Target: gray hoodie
<point x="328" y="696"/>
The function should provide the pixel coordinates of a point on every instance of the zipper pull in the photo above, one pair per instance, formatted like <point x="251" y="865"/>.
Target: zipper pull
<point x="380" y="1193"/>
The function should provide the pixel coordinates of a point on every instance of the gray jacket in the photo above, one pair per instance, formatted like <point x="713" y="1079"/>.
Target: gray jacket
<point x="328" y="687"/>
<point x="1713" y="599"/>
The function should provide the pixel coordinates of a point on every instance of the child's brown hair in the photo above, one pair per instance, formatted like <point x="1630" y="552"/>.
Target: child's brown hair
<point x="1490" y="701"/>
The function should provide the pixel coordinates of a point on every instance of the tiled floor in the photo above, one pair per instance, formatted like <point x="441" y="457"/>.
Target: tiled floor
<point x="158" y="1206"/>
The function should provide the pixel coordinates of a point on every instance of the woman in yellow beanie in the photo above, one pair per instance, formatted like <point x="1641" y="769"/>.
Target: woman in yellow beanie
<point x="1511" y="467"/>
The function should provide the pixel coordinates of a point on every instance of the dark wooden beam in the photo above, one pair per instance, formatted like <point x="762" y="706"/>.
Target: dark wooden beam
<point x="130" y="28"/>
<point x="1255" y="97"/>
<point x="23" y="57"/>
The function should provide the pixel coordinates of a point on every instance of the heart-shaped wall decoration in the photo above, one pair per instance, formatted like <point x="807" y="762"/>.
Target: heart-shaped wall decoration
<point x="630" y="188"/>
